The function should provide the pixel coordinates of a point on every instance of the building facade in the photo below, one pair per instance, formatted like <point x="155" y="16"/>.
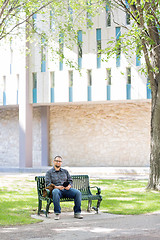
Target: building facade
<point x="98" y="116"/>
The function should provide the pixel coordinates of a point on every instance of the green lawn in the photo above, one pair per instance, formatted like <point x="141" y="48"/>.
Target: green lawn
<point x="18" y="198"/>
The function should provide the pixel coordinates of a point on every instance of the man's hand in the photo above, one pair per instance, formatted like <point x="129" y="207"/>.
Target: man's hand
<point x="68" y="187"/>
<point x="59" y="187"/>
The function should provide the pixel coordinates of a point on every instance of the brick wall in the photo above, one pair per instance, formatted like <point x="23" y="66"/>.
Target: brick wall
<point x="111" y="134"/>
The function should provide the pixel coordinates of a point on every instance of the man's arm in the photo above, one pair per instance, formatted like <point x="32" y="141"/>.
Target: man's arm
<point x="69" y="179"/>
<point x="48" y="178"/>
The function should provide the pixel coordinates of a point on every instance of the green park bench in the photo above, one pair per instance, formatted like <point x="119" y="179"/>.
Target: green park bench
<point x="80" y="182"/>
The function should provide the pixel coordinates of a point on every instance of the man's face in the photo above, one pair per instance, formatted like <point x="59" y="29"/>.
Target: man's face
<point x="57" y="163"/>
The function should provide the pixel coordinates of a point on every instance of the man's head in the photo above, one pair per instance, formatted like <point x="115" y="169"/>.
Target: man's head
<point x="57" y="162"/>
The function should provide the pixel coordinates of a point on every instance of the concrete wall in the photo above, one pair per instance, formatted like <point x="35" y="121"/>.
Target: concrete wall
<point x="110" y="134"/>
<point x="9" y="137"/>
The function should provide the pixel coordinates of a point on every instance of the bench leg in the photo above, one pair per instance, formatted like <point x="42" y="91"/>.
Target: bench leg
<point x="89" y="205"/>
<point x="47" y="207"/>
<point x="98" y="205"/>
<point x="39" y="206"/>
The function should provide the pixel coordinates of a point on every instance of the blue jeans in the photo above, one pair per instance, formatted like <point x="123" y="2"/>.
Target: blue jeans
<point x="71" y="193"/>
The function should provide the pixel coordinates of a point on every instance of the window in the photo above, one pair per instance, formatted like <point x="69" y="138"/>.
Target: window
<point x="98" y="36"/>
<point x="70" y="78"/>
<point x="138" y="56"/>
<point x="118" y="45"/>
<point x="11" y="55"/>
<point x="17" y="77"/>
<point x="43" y="54"/>
<point x="34" y="75"/>
<point x="89" y="77"/>
<point x="80" y="49"/>
<point x="89" y="15"/>
<point x="127" y="14"/>
<point x="61" y="45"/>
<point x="34" y="18"/>
<point x="4" y="83"/>
<point x="52" y="79"/>
<point x="70" y="86"/>
<point x="128" y="72"/>
<point x="52" y="20"/>
<point x="70" y="11"/>
<point x="108" y="76"/>
<point x="108" y="16"/>
<point x="52" y="85"/>
<point x="4" y="90"/>
<point x="89" y="73"/>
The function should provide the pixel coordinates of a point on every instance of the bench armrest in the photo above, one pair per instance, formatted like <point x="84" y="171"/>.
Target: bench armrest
<point x="98" y="190"/>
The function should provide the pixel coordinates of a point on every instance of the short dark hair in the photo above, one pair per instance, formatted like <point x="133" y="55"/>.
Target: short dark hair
<point x="57" y="157"/>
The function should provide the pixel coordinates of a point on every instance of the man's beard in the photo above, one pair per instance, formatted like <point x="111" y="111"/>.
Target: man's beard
<point x="57" y="166"/>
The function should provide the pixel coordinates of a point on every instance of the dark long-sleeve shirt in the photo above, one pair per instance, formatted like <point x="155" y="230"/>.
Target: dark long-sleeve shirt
<point x="57" y="177"/>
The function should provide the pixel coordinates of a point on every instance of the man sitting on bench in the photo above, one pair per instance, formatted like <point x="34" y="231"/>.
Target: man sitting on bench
<point x="63" y="188"/>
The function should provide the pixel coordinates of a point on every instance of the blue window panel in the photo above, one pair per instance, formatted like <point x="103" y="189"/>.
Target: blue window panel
<point x="108" y="92"/>
<point x="80" y="63"/>
<point x="128" y="91"/>
<point x="52" y="95"/>
<point x="70" y="94"/>
<point x="4" y="98"/>
<point x="118" y="56"/>
<point x="17" y="96"/>
<point x="127" y="5"/>
<point x="34" y="95"/>
<point x="107" y="8"/>
<point x="43" y="66"/>
<point x="138" y="60"/>
<point x="34" y="16"/>
<point x="89" y="93"/>
<point x="80" y="36"/>
<point x="149" y="95"/>
<point x="60" y="65"/>
<point x="118" y="61"/>
<point x="118" y="33"/>
<point x="98" y="34"/>
<point x="99" y="62"/>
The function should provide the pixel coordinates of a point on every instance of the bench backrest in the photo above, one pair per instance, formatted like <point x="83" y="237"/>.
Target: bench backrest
<point x="80" y="182"/>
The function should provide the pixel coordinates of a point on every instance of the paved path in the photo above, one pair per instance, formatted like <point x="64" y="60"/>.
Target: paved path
<point x="101" y="226"/>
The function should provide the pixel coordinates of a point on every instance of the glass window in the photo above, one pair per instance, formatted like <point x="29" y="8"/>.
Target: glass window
<point x="89" y="77"/>
<point x="34" y="76"/>
<point x="108" y="76"/>
<point x="70" y="78"/>
<point x="4" y="83"/>
<point x="128" y="72"/>
<point x="52" y="79"/>
<point x="52" y="20"/>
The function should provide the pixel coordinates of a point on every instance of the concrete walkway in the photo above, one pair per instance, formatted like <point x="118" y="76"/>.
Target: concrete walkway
<point x="93" y="226"/>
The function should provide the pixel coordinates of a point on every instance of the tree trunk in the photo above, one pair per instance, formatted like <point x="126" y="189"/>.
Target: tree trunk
<point x="154" y="177"/>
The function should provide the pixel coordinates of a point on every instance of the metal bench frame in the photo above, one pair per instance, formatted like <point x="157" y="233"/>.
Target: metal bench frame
<point x="80" y="182"/>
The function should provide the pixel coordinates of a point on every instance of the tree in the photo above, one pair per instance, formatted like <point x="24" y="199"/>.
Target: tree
<point x="144" y="36"/>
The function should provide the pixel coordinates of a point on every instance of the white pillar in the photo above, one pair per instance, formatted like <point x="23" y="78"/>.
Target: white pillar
<point x="25" y="120"/>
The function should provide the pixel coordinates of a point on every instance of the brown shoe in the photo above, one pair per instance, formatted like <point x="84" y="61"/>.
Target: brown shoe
<point x="78" y="215"/>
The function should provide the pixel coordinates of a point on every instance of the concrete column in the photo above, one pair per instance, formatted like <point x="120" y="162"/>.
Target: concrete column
<point x="25" y="120"/>
<point x="45" y="135"/>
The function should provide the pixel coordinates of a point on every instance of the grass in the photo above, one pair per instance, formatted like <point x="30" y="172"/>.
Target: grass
<point x="18" y="198"/>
